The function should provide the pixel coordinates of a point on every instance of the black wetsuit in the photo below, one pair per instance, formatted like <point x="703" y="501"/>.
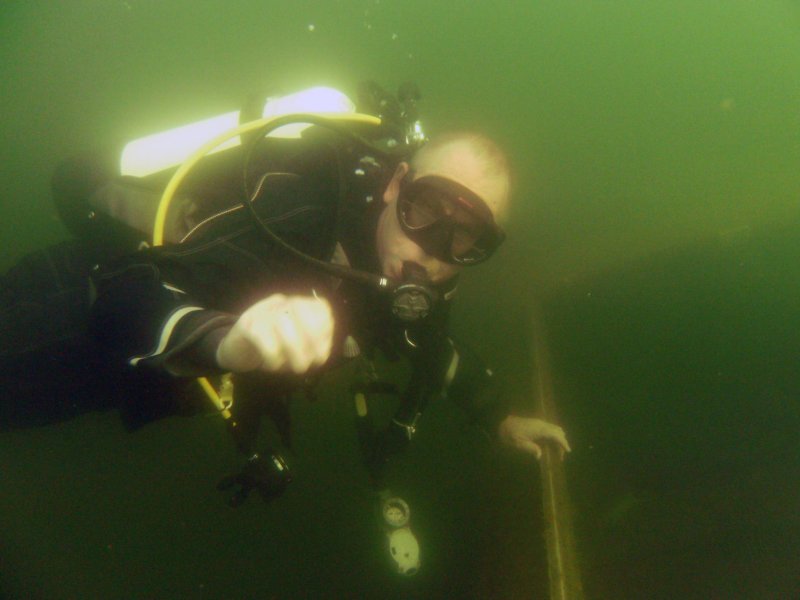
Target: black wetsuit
<point x="151" y="320"/>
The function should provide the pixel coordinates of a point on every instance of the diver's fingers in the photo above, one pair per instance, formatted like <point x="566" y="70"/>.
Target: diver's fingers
<point x="255" y="341"/>
<point x="556" y="434"/>
<point x="293" y="332"/>
<point x="530" y="447"/>
<point x="315" y="320"/>
<point x="265" y="335"/>
<point x="291" y="339"/>
<point x="250" y="343"/>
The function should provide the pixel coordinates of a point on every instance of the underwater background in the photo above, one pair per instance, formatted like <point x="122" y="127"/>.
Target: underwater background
<point x="656" y="150"/>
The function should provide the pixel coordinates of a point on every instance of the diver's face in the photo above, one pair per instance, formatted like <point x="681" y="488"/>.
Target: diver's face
<point x="395" y="247"/>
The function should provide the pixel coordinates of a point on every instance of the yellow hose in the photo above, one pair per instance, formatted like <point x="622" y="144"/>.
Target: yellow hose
<point x="223" y="404"/>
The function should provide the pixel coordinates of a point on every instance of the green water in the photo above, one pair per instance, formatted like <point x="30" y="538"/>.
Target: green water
<point x="656" y="148"/>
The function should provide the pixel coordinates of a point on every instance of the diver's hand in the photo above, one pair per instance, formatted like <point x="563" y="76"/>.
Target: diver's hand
<point x="279" y="333"/>
<point x="526" y="434"/>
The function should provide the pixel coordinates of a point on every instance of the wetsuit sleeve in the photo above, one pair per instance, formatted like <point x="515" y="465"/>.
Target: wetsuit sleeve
<point x="443" y="367"/>
<point x="143" y="321"/>
<point x="476" y="389"/>
<point x="166" y="308"/>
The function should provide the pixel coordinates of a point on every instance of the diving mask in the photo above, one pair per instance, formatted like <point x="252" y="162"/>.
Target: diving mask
<point x="447" y="220"/>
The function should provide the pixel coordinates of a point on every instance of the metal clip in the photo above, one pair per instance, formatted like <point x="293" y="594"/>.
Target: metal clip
<point x="226" y="391"/>
<point x="411" y="429"/>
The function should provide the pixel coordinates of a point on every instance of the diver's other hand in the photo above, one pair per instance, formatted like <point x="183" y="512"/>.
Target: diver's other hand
<point x="526" y="434"/>
<point x="279" y="333"/>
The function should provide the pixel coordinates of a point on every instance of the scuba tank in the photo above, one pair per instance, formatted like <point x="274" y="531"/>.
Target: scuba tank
<point x="115" y="208"/>
<point x="167" y="149"/>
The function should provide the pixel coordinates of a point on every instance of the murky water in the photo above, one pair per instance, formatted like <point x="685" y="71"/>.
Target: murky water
<point x="656" y="150"/>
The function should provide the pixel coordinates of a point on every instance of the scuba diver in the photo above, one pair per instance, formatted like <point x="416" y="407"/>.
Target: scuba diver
<point x="280" y="258"/>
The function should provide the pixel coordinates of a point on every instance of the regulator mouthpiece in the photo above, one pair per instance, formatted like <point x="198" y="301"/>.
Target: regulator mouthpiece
<point x="413" y="299"/>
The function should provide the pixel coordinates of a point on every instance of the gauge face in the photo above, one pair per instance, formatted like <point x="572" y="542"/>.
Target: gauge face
<point x="411" y="302"/>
